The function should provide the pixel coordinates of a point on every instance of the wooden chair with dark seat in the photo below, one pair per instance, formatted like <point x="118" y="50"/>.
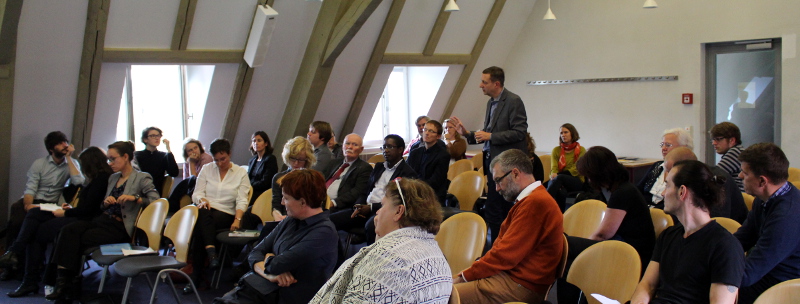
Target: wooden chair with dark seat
<point x="461" y="238"/>
<point x="477" y="160"/>
<point x="729" y="224"/>
<point x="467" y="187"/>
<point x="583" y="218"/>
<point x="783" y="293"/>
<point x="748" y="200"/>
<point x="459" y="167"/>
<point x="377" y="158"/>
<point x="661" y="220"/>
<point x="610" y="268"/>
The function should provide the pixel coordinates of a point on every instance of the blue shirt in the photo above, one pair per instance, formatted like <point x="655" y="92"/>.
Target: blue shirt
<point x="46" y="179"/>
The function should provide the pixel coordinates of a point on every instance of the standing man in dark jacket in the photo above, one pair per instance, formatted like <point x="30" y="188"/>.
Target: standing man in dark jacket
<point x="505" y="126"/>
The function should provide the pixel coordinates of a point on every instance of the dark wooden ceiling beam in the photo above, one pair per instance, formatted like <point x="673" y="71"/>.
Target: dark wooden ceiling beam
<point x="89" y="75"/>
<point x="436" y="32"/>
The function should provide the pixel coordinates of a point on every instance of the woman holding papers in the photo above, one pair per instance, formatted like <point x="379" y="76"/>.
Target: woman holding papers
<point x="40" y="227"/>
<point x="127" y="192"/>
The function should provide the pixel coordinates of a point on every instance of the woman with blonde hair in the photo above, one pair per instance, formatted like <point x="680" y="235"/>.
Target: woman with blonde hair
<point x="298" y="154"/>
<point x="389" y="271"/>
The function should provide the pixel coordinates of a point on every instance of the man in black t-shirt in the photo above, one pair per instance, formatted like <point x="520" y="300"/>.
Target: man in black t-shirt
<point x="698" y="261"/>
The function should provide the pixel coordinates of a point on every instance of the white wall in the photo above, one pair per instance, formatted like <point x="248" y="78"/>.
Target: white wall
<point x="596" y="39"/>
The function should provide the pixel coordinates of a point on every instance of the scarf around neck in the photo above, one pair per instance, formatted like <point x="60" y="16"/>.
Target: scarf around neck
<point x="565" y="148"/>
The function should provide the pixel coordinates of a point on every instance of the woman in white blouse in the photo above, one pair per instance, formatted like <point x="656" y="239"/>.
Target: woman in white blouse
<point x="221" y="196"/>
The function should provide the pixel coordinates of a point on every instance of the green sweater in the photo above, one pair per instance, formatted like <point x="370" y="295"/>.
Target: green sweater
<point x="569" y="157"/>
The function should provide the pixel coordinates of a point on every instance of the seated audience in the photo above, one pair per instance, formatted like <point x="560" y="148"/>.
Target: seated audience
<point x="295" y="259"/>
<point x="41" y="227"/>
<point x="405" y="265"/>
<point x="336" y="148"/>
<point x="769" y="234"/>
<point x="431" y="161"/>
<point x="154" y="162"/>
<point x="456" y="144"/>
<point x="727" y="141"/>
<point x="697" y="261"/>
<point x="538" y="167"/>
<point x="221" y="198"/>
<point x="522" y="262"/>
<point x="128" y="191"/>
<point x="319" y="133"/>
<point x="351" y="177"/>
<point x="627" y="217"/>
<point x="414" y="143"/>
<point x="298" y="154"/>
<point x="196" y="157"/>
<point x="652" y="184"/>
<point x="46" y="179"/>
<point x="732" y="206"/>
<point x="370" y="201"/>
<point x="263" y="166"/>
<point x="564" y="176"/>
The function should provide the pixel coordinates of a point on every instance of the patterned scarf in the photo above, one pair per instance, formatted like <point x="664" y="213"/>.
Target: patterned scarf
<point x="565" y="148"/>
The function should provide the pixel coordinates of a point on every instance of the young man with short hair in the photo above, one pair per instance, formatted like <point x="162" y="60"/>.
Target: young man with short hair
<point x="727" y="141"/>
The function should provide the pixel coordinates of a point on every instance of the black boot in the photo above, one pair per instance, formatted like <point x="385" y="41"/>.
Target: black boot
<point x="214" y="261"/>
<point x="62" y="287"/>
<point x="27" y="287"/>
<point x="9" y="260"/>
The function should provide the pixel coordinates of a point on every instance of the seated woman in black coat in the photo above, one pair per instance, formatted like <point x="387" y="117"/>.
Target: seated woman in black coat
<point x="263" y="166"/>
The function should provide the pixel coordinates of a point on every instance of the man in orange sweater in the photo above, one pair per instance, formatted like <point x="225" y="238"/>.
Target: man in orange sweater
<point x="522" y="262"/>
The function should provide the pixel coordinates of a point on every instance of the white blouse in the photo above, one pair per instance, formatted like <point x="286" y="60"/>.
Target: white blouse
<point x="227" y="195"/>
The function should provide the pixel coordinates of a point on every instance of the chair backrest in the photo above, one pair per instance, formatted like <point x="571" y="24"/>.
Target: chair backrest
<point x="167" y="187"/>
<point x="179" y="230"/>
<point x="546" y="165"/>
<point x="794" y="174"/>
<point x="748" y="200"/>
<point x="562" y="265"/>
<point x="783" y="293"/>
<point x="458" y="167"/>
<point x="485" y="184"/>
<point x="454" y="297"/>
<point x="263" y="206"/>
<point x="729" y="224"/>
<point x="583" y="218"/>
<point x="461" y="238"/>
<point x="185" y="201"/>
<point x="477" y="160"/>
<point x="249" y="193"/>
<point x="467" y="187"/>
<point x="151" y="221"/>
<point x="377" y="158"/>
<point x="610" y="268"/>
<point x="661" y="220"/>
<point x="796" y="184"/>
<point x="76" y="198"/>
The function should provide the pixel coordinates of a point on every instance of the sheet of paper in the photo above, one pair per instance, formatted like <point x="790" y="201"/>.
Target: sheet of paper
<point x="49" y="207"/>
<point x="603" y="299"/>
<point x="128" y="252"/>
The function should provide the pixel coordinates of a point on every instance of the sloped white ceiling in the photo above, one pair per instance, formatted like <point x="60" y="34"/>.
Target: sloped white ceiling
<point x="464" y="26"/>
<point x="414" y="26"/>
<point x="145" y="24"/>
<point x="222" y="24"/>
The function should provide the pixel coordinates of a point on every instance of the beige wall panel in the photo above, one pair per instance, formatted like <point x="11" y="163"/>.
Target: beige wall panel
<point x="222" y="25"/>
<point x="414" y="26"/>
<point x="144" y="24"/>
<point x="463" y="27"/>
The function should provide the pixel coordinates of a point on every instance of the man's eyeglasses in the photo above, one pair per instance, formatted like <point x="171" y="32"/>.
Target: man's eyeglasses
<point x="433" y="131"/>
<point x="388" y="147"/>
<point x="154" y="136"/>
<point x="498" y="180"/>
<point x="668" y="145"/>
<point x="112" y="159"/>
<point x="717" y="139"/>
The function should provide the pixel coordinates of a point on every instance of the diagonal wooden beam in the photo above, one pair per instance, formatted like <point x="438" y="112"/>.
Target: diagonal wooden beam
<point x="347" y="27"/>
<point x="436" y="32"/>
<point x="183" y="24"/>
<point x="494" y="14"/>
<point x="89" y="76"/>
<point x="10" y="12"/>
<point x="440" y="59"/>
<point x="173" y="57"/>
<point x="373" y="65"/>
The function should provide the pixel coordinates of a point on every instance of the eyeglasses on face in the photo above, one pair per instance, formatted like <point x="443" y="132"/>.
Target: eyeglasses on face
<point x="154" y="136"/>
<point x="433" y="131"/>
<point x="388" y="147"/>
<point x="296" y="160"/>
<point x="668" y="145"/>
<point x="717" y="139"/>
<point x="498" y="180"/>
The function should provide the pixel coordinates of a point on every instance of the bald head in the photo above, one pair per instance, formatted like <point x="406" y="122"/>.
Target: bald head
<point x="676" y="155"/>
<point x="352" y="147"/>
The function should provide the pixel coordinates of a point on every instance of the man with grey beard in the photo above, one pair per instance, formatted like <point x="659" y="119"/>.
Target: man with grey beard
<point x="522" y="262"/>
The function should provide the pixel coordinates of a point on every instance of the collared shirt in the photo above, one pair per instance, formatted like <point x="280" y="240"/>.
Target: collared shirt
<point x="377" y="193"/>
<point x="495" y="101"/>
<point x="781" y="191"/>
<point x="527" y="190"/>
<point x="46" y="179"/>
<point x="227" y="195"/>
<point x="659" y="186"/>
<point x="333" y="190"/>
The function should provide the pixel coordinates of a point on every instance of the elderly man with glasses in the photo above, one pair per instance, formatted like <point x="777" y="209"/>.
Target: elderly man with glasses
<point x="653" y="183"/>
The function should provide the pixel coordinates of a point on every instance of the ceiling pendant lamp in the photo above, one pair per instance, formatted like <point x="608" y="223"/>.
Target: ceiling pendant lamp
<point x="650" y="4"/>
<point x="549" y="15"/>
<point x="451" y="6"/>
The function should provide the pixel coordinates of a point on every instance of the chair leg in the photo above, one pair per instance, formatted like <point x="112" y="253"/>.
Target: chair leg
<point x="218" y="273"/>
<point x="174" y="291"/>
<point x="152" y="297"/>
<point x="102" y="279"/>
<point x="127" y="289"/>
<point x="347" y="245"/>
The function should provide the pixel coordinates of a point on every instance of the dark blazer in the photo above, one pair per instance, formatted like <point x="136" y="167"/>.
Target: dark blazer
<point x="646" y="183"/>
<point x="403" y="170"/>
<point x="261" y="173"/>
<point x="431" y="166"/>
<point x="354" y="183"/>
<point x="733" y="206"/>
<point x="509" y="124"/>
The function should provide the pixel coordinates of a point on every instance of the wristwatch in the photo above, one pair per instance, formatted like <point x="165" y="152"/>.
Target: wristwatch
<point x="137" y="197"/>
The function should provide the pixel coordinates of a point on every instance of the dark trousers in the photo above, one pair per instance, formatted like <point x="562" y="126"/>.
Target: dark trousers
<point x="496" y="207"/>
<point x="369" y="228"/>
<point x="16" y="215"/>
<point x="38" y="229"/>
<point x="209" y="221"/>
<point x="343" y="221"/>
<point x="561" y="185"/>
<point x="78" y="236"/>
<point x="749" y="294"/>
<point x="244" y="294"/>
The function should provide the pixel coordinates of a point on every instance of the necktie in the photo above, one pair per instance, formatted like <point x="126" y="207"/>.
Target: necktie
<point x="336" y="176"/>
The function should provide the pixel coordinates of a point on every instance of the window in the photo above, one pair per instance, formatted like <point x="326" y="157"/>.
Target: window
<point x="170" y="97"/>
<point x="409" y="93"/>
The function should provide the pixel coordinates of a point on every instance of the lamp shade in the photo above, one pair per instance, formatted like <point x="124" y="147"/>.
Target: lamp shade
<point x="650" y="4"/>
<point x="549" y="15"/>
<point x="451" y="6"/>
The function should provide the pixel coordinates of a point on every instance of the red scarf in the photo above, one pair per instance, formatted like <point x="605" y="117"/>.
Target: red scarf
<point x="562" y="161"/>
